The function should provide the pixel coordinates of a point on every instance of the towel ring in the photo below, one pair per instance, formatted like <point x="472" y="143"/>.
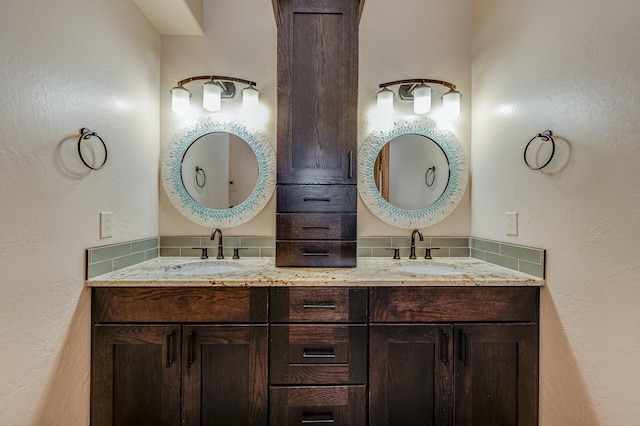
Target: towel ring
<point x="430" y="176"/>
<point x="546" y="136"/>
<point x="86" y="134"/>
<point x="200" y="176"/>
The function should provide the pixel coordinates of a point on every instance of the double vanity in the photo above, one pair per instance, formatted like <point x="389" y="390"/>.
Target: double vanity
<point x="241" y="342"/>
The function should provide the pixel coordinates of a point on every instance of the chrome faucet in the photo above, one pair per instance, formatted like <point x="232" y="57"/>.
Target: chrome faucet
<point x="412" y="255"/>
<point x="218" y="232"/>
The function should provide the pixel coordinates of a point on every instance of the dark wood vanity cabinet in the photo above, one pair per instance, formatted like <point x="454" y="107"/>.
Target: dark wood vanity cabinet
<point x="317" y="132"/>
<point x="152" y="365"/>
<point x="427" y="366"/>
<point x="315" y="355"/>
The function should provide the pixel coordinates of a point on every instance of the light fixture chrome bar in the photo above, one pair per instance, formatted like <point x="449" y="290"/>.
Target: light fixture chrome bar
<point x="226" y="83"/>
<point x="416" y="81"/>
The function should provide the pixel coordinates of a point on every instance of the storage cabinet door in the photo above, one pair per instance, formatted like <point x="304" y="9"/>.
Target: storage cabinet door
<point x="410" y="376"/>
<point x="225" y="375"/>
<point x="135" y="375"/>
<point x="317" y="91"/>
<point x="496" y="374"/>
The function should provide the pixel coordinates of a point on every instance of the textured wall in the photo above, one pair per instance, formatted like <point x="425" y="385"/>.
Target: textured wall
<point x="65" y="65"/>
<point x="572" y="67"/>
<point x="395" y="43"/>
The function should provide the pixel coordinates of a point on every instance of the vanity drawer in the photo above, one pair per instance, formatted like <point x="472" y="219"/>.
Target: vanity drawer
<point x="459" y="304"/>
<point x="318" y="354"/>
<point x="318" y="305"/>
<point x="175" y="304"/>
<point x="329" y="254"/>
<point x="316" y="198"/>
<point x="316" y="226"/>
<point x="334" y="405"/>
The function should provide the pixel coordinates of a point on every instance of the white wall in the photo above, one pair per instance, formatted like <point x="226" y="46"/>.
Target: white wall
<point x="572" y="67"/>
<point x="64" y="65"/>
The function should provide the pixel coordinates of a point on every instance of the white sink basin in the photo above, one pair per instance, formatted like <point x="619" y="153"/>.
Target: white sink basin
<point x="207" y="267"/>
<point x="430" y="270"/>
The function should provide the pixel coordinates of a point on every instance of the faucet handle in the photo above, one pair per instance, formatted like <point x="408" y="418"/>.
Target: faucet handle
<point x="427" y="253"/>
<point x="236" y="255"/>
<point x="396" y="251"/>
<point x="205" y="254"/>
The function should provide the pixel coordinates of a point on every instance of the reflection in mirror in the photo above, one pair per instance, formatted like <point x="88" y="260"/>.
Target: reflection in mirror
<point x="411" y="172"/>
<point x="439" y="165"/>
<point x="219" y="170"/>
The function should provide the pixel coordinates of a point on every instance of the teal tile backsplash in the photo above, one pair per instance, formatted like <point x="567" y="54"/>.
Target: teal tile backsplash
<point x="101" y="260"/>
<point x="251" y="246"/>
<point x="519" y="258"/>
<point x="105" y="259"/>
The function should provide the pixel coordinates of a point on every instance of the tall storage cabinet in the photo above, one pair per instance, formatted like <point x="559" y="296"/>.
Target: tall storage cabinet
<point x="317" y="132"/>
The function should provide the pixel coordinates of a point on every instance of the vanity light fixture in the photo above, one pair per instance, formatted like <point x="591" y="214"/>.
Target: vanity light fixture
<point x="419" y="92"/>
<point x="214" y="90"/>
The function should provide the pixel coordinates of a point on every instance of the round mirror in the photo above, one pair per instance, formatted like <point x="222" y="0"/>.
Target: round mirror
<point x="219" y="170"/>
<point x="219" y="173"/>
<point x="413" y="174"/>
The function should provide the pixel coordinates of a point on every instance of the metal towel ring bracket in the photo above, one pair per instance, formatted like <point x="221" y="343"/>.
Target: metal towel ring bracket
<point x="546" y="136"/>
<point x="86" y="134"/>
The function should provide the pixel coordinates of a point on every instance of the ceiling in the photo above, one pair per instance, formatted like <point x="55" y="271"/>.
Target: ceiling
<point x="174" y="17"/>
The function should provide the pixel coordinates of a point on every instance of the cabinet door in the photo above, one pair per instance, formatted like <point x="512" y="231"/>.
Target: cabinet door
<point x="317" y="91"/>
<point x="410" y="377"/>
<point x="496" y="374"/>
<point x="225" y="375"/>
<point x="135" y="375"/>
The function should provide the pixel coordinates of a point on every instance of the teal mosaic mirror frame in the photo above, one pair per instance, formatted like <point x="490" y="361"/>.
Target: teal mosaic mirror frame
<point x="441" y="208"/>
<point x="220" y="218"/>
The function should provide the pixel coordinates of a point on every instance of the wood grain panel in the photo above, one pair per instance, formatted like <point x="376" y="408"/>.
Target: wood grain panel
<point x="316" y="226"/>
<point x="318" y="305"/>
<point x="449" y="304"/>
<point x="347" y="344"/>
<point x="176" y="304"/>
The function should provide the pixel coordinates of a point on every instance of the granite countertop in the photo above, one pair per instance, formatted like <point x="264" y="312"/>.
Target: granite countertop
<point x="371" y="271"/>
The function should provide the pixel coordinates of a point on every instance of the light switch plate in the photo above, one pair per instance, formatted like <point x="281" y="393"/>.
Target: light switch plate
<point x="511" y="223"/>
<point x="106" y="224"/>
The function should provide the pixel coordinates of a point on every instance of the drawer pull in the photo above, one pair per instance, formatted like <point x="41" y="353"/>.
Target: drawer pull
<point x="315" y="227"/>
<point x="306" y="253"/>
<point x="318" y="354"/>
<point x="323" y="199"/>
<point x="309" y="419"/>
<point x="328" y="305"/>
<point x="350" y="172"/>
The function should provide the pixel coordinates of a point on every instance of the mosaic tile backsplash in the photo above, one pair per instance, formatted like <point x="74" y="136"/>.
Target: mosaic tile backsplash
<point x="101" y="260"/>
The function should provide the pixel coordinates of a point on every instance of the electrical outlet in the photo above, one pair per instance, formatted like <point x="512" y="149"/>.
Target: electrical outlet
<point x="106" y="224"/>
<point x="511" y="223"/>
